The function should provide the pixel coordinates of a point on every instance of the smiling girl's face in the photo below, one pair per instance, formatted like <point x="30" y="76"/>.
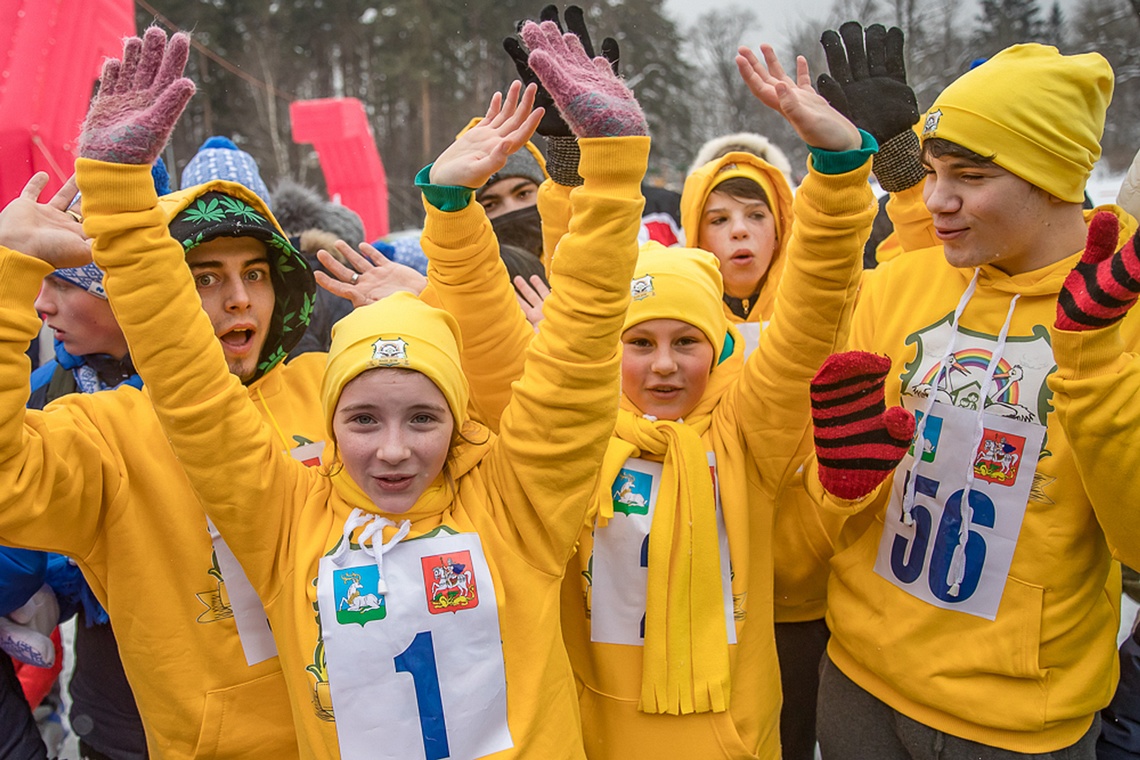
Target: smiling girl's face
<point x="393" y="430"/>
<point x="665" y="365"/>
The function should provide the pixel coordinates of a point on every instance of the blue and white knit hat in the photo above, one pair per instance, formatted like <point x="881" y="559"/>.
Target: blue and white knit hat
<point x="219" y="158"/>
<point x="88" y="277"/>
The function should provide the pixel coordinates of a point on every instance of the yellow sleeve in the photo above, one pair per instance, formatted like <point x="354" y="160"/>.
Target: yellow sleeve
<point x="562" y="414"/>
<point x="470" y="280"/>
<point x="228" y="451"/>
<point x="832" y="220"/>
<point x="1097" y="397"/>
<point x="914" y="227"/>
<point x="554" y="210"/>
<point x="57" y="473"/>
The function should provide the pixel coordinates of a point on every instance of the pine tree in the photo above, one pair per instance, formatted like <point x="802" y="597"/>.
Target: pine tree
<point x="1007" y="22"/>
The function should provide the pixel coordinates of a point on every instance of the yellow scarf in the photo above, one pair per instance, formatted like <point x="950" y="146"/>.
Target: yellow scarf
<point x="685" y="658"/>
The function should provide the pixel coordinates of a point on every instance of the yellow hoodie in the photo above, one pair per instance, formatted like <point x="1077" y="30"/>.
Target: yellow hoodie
<point x="523" y="494"/>
<point x="804" y="536"/>
<point x="755" y="431"/>
<point x="1020" y="656"/>
<point x="1096" y="385"/>
<point x="93" y="477"/>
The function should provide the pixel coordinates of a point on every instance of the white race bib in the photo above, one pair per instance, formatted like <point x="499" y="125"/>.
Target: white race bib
<point x="256" y="637"/>
<point x="417" y="672"/>
<point x="917" y="558"/>
<point x="750" y="331"/>
<point x="620" y="563"/>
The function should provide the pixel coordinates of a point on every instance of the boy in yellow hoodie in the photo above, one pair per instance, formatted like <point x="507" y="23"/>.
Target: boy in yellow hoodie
<point x="446" y="643"/>
<point x="973" y="602"/>
<point x="739" y="207"/>
<point x="94" y="478"/>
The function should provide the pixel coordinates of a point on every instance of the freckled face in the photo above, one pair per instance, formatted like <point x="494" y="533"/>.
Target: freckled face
<point x="393" y="431"/>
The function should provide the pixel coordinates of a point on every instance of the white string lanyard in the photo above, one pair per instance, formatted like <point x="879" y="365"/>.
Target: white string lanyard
<point x="958" y="561"/>
<point x="942" y="372"/>
<point x="374" y="526"/>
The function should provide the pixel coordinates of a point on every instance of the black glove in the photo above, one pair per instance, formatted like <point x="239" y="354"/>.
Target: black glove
<point x="552" y="124"/>
<point x="867" y="84"/>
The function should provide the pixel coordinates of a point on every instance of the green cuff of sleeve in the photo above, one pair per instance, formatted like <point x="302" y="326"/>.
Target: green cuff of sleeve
<point x="841" y="162"/>
<point x="443" y="197"/>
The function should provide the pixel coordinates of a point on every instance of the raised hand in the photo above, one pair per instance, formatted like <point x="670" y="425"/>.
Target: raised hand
<point x="531" y="296"/>
<point x="867" y="79"/>
<point x="552" y="124"/>
<point x="139" y="101"/>
<point x="374" y="277"/>
<point x="858" y="441"/>
<point x="47" y="231"/>
<point x="592" y="99"/>
<point x="483" y="150"/>
<point x="1104" y="284"/>
<point x="867" y="84"/>
<point x="816" y="122"/>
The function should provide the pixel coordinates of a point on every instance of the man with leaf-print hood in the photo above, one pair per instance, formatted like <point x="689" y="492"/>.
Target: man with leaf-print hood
<point x="255" y="286"/>
<point x="92" y="476"/>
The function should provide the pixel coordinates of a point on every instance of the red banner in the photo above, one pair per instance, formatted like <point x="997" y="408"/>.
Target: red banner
<point x="51" y="53"/>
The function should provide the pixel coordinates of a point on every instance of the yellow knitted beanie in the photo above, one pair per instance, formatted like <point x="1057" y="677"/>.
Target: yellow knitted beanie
<point x="402" y="332"/>
<point x="1040" y="115"/>
<point x="678" y="283"/>
<point x="745" y="168"/>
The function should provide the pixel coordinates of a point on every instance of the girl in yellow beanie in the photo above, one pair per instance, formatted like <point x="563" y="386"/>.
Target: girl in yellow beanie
<point x="667" y="607"/>
<point x="411" y="582"/>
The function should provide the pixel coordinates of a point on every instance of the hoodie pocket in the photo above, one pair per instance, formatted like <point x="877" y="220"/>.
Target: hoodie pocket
<point x="249" y="720"/>
<point x="616" y="728"/>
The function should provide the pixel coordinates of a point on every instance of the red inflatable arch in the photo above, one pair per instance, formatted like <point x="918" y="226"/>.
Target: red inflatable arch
<point x="338" y="130"/>
<point x="51" y="53"/>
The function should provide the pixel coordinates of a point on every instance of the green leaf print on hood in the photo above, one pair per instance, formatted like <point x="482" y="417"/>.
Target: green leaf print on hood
<point x="226" y="209"/>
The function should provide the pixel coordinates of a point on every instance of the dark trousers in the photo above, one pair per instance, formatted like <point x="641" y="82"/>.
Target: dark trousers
<point x="854" y="725"/>
<point x="19" y="736"/>
<point x="800" y="648"/>
<point x="1120" y="729"/>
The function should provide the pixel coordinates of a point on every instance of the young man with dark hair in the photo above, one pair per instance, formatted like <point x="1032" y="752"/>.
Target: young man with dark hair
<point x="973" y="601"/>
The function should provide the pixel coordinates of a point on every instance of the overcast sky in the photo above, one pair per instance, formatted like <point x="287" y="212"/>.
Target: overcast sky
<point x="779" y="17"/>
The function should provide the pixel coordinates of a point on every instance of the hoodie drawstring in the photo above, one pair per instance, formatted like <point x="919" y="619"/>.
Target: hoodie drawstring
<point x="373" y="525"/>
<point x="942" y="372"/>
<point x="957" y="571"/>
<point x="958" y="561"/>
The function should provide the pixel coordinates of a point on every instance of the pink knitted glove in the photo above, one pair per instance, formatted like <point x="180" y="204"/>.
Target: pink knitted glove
<point x="592" y="99"/>
<point x="139" y="101"/>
